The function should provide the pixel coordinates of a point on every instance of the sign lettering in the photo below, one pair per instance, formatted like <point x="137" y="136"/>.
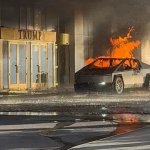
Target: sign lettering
<point x="30" y="35"/>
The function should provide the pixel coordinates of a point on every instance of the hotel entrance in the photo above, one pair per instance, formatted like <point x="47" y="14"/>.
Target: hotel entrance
<point x="17" y="66"/>
<point x="39" y="66"/>
<point x="29" y="60"/>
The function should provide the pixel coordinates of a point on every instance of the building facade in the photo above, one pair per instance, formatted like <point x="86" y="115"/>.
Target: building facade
<point x="40" y="43"/>
<point x="27" y="59"/>
<point x="44" y="42"/>
<point x="27" y="47"/>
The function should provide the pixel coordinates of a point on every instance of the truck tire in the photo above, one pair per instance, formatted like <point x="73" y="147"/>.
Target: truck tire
<point x="118" y="85"/>
<point x="147" y="82"/>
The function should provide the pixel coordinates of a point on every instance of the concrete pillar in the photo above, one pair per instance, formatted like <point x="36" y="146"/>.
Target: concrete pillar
<point x="145" y="45"/>
<point x="145" y="51"/>
<point x="88" y="36"/>
<point x="79" y="40"/>
<point x="1" y="65"/>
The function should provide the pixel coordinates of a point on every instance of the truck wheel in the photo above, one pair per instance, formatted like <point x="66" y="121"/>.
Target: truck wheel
<point x="118" y="85"/>
<point x="147" y="82"/>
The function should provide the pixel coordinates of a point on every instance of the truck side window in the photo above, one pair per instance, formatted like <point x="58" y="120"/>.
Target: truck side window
<point x="135" y="64"/>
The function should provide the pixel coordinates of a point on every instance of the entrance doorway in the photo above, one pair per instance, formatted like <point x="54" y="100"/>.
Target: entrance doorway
<point x="39" y="66"/>
<point x="28" y="65"/>
<point x="17" y="66"/>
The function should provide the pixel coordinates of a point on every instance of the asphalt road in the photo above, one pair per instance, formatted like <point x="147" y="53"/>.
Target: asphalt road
<point x="18" y="134"/>
<point x="67" y="130"/>
<point x="135" y="140"/>
<point x="46" y="133"/>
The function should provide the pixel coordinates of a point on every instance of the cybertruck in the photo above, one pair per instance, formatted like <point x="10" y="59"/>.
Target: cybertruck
<point x="113" y="73"/>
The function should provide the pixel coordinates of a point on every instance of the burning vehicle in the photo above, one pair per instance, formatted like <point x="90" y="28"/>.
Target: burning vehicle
<point x="118" y="71"/>
<point x="115" y="73"/>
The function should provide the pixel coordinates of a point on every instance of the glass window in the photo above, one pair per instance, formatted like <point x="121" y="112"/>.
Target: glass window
<point x="43" y="64"/>
<point x="11" y="20"/>
<point x="22" y="63"/>
<point x="13" y="63"/>
<point x="5" y="65"/>
<point x="51" y="21"/>
<point x="37" y="19"/>
<point x="35" y="64"/>
<point x="50" y="65"/>
<point x="29" y="19"/>
<point x="23" y="18"/>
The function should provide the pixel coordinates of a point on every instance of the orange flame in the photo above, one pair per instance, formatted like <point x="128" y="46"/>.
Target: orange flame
<point x="122" y="47"/>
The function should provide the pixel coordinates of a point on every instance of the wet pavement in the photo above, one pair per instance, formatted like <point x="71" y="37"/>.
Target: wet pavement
<point x="80" y="132"/>
<point x="46" y="133"/>
<point x="137" y="139"/>
<point x="73" y="102"/>
<point x="72" y="119"/>
<point x="85" y="105"/>
<point x="62" y="133"/>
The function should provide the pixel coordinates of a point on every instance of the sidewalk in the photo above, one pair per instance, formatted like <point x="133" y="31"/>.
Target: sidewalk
<point x="67" y="102"/>
<point x="67" y="97"/>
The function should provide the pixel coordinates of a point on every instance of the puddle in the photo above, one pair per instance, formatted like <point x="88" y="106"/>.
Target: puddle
<point x="71" y="134"/>
<point x="126" y="123"/>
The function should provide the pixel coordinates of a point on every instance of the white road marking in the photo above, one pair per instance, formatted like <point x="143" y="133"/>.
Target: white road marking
<point x="27" y="126"/>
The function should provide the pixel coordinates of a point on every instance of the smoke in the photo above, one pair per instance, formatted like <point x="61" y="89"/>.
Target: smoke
<point x="114" y="17"/>
<point x="109" y="18"/>
<point x="121" y="13"/>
